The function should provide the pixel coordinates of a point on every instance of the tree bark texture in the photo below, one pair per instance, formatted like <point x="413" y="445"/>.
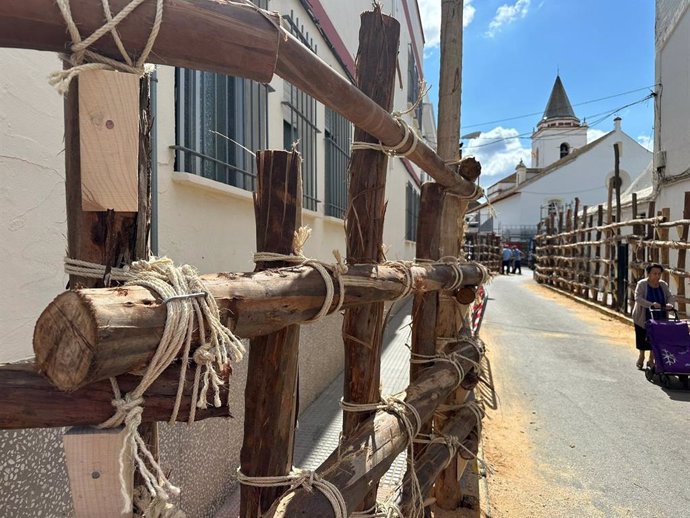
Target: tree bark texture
<point x="270" y="397"/>
<point x="91" y="334"/>
<point x="369" y="452"/>
<point x="376" y="65"/>
<point x="237" y="40"/>
<point x="379" y="37"/>
<point x="425" y="305"/>
<point x="29" y="400"/>
<point x="450" y="315"/>
<point x="434" y="457"/>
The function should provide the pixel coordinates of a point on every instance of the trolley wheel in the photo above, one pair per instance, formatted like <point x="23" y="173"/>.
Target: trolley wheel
<point x="684" y="380"/>
<point x="665" y="380"/>
<point x="649" y="374"/>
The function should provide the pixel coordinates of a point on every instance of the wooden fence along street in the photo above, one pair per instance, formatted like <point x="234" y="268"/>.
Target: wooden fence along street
<point x="182" y="329"/>
<point x="603" y="262"/>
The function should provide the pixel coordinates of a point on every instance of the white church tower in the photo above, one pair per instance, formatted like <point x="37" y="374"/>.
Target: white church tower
<point x="559" y="132"/>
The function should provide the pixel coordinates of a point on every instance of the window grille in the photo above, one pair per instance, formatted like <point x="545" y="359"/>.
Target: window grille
<point x="299" y="123"/>
<point x="337" y="151"/>
<point x="411" y="212"/>
<point x="414" y="86"/>
<point x="221" y="121"/>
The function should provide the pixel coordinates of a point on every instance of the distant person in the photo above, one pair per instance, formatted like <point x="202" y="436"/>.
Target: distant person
<point x="507" y="256"/>
<point x="517" y="260"/>
<point x="650" y="293"/>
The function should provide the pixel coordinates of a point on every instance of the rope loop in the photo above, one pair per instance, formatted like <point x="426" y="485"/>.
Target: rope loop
<point x="301" y="478"/>
<point x="82" y="59"/>
<point x="298" y="258"/>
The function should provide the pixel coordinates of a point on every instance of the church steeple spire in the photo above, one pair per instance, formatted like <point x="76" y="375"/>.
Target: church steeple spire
<point x="559" y="131"/>
<point x="559" y="106"/>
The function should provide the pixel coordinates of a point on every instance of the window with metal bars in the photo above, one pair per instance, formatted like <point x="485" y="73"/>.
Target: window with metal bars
<point x="337" y="151"/>
<point x="220" y="122"/>
<point x="411" y="212"/>
<point x="414" y="86"/>
<point x="299" y="123"/>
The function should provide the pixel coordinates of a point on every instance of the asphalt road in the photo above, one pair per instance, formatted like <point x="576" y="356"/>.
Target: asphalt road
<point x="597" y="428"/>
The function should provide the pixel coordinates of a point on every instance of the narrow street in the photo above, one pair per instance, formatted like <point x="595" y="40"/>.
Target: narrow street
<point x="572" y="428"/>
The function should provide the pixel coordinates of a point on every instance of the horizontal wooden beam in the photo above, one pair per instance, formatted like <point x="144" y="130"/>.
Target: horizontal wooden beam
<point x="93" y="334"/>
<point x="434" y="457"/>
<point x="29" y="400"/>
<point x="368" y="453"/>
<point x="237" y="39"/>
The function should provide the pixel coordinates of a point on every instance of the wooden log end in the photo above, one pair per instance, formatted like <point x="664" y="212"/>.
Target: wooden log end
<point x="64" y="346"/>
<point x="470" y="168"/>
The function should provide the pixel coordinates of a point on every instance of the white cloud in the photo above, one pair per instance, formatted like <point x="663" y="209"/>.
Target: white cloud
<point x="499" y="151"/>
<point x="647" y="142"/>
<point x="430" y="11"/>
<point x="506" y="14"/>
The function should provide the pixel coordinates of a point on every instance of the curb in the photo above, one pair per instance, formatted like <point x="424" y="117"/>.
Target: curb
<point x="601" y="309"/>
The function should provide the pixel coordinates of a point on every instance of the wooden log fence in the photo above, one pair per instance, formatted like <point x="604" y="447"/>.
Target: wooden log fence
<point x="603" y="262"/>
<point x="88" y="335"/>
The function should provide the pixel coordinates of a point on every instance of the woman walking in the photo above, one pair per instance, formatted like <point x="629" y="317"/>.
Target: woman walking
<point x="650" y="293"/>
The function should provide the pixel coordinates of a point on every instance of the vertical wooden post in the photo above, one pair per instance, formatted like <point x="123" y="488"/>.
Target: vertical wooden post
<point x="598" y="264"/>
<point x="108" y="238"/>
<point x="449" y="317"/>
<point x="663" y="235"/>
<point x="425" y="305"/>
<point x="270" y="400"/>
<point x="682" y="254"/>
<point x="376" y="66"/>
<point x="617" y="178"/>
<point x="650" y="255"/>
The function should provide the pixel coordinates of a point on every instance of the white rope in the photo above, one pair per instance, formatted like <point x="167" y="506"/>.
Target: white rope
<point x="453" y="359"/>
<point x="299" y="259"/>
<point x="82" y="59"/>
<point x="96" y="271"/>
<point x="450" y="441"/>
<point x="392" y="151"/>
<point x="301" y="478"/>
<point x="400" y="408"/>
<point x="184" y="295"/>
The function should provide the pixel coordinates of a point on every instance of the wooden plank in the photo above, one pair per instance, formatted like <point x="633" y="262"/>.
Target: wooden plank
<point x="29" y="400"/>
<point x="271" y="408"/>
<point x="108" y="140"/>
<point x="93" y="466"/>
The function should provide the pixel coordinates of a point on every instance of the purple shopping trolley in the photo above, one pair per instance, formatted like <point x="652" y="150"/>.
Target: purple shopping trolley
<point x="670" y="342"/>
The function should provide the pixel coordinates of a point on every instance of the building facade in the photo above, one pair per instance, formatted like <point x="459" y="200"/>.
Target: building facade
<point x="207" y="127"/>
<point x="564" y="166"/>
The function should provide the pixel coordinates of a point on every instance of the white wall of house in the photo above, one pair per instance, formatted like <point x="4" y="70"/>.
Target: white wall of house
<point x="200" y="221"/>
<point x="672" y="108"/>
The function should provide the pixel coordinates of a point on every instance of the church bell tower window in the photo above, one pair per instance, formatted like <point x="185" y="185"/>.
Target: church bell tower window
<point x="565" y="149"/>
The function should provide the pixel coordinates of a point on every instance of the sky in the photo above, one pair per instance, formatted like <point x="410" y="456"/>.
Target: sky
<point x="512" y="52"/>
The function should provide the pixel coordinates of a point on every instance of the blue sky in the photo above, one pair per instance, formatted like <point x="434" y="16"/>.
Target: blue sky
<point x="512" y="52"/>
